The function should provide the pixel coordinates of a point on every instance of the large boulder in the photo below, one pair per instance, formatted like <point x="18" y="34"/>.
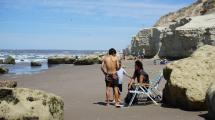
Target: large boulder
<point x="27" y="104"/>
<point x="210" y="100"/>
<point x="8" y="83"/>
<point x="188" y="79"/>
<point x="185" y="36"/>
<point x="35" y="64"/>
<point x="9" y="60"/>
<point x="61" y="60"/>
<point x="3" y="70"/>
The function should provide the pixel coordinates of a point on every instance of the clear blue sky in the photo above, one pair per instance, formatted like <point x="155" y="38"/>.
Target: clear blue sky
<point x="78" y="24"/>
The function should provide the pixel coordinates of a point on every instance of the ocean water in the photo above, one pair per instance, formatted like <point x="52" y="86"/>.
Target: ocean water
<point x="24" y="57"/>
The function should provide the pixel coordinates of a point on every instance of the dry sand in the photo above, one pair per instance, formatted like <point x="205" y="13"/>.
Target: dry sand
<point x="83" y="91"/>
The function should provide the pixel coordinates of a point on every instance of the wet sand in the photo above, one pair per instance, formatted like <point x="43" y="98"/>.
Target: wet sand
<point x="83" y="91"/>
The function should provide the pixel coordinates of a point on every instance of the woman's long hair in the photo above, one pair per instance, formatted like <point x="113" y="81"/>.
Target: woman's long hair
<point x="139" y="64"/>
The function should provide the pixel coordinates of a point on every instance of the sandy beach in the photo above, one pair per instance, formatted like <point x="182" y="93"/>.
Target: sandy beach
<point x="83" y="91"/>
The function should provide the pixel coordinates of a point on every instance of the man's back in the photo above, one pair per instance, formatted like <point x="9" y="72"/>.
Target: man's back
<point x="111" y="64"/>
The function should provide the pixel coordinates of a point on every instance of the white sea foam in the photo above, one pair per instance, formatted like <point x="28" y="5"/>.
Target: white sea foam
<point x="24" y="57"/>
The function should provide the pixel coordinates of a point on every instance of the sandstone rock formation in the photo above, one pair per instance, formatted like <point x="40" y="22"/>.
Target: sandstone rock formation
<point x="201" y="7"/>
<point x="146" y="42"/>
<point x="34" y="64"/>
<point x="61" y="60"/>
<point x="3" y="70"/>
<point x="188" y="79"/>
<point x="180" y="42"/>
<point x="8" y="83"/>
<point x="177" y="35"/>
<point x="27" y="104"/>
<point x="210" y="100"/>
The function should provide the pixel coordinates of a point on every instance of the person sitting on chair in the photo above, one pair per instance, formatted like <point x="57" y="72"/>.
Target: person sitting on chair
<point x="139" y="74"/>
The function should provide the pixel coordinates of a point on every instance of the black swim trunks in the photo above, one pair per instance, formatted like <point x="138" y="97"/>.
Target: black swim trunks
<point x="111" y="80"/>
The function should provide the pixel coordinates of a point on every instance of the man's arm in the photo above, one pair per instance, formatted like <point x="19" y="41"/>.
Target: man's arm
<point x="103" y="68"/>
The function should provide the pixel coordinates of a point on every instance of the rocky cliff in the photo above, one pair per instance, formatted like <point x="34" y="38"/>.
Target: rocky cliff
<point x="182" y="41"/>
<point x="177" y="35"/>
<point x="146" y="42"/>
<point x="200" y="7"/>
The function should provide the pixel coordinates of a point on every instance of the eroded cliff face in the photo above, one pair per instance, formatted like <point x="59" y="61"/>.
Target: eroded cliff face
<point x="177" y="35"/>
<point x="200" y="7"/>
<point x="183" y="41"/>
<point x="146" y="42"/>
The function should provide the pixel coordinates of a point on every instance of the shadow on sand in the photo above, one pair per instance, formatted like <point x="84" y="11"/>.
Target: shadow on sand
<point x="100" y="103"/>
<point x="202" y="114"/>
<point x="205" y="116"/>
<point x="124" y="105"/>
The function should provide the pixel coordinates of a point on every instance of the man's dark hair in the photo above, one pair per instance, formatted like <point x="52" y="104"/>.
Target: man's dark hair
<point x="139" y="64"/>
<point x="112" y="51"/>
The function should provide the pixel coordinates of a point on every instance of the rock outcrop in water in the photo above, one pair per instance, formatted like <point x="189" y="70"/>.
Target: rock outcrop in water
<point x="9" y="60"/>
<point x="88" y="60"/>
<point x="177" y="35"/>
<point x="27" y="104"/>
<point x="3" y="70"/>
<point x="85" y="60"/>
<point x="1" y="61"/>
<point x="188" y="79"/>
<point x="61" y="60"/>
<point x="35" y="64"/>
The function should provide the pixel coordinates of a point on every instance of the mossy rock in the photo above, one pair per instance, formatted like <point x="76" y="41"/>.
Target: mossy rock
<point x="56" y="60"/>
<point x="84" y="61"/>
<point x="69" y="60"/>
<point x="61" y="60"/>
<point x="3" y="70"/>
<point x="9" y="60"/>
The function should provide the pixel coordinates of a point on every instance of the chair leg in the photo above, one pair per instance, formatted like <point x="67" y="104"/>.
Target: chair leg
<point x="132" y="99"/>
<point x="149" y="96"/>
<point x="157" y="93"/>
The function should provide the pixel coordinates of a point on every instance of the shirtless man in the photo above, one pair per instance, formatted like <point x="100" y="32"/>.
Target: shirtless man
<point x="110" y="65"/>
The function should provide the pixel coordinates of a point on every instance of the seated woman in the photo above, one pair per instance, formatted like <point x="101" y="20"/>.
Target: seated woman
<point x="139" y="74"/>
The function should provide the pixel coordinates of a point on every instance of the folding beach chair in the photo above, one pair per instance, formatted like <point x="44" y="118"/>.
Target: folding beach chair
<point x="150" y="90"/>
